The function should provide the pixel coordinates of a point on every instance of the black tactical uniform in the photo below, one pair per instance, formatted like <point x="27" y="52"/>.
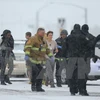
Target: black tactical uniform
<point x="60" y="57"/>
<point x="75" y="73"/>
<point x="89" y="53"/>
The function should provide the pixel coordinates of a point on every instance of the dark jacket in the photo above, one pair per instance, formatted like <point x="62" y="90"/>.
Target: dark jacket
<point x="9" y="42"/>
<point x="76" y="43"/>
<point x="61" y="51"/>
<point x="7" y="46"/>
<point x="91" y="39"/>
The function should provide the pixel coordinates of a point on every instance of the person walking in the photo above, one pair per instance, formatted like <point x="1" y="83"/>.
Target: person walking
<point x="6" y="48"/>
<point x="77" y="44"/>
<point x="35" y="50"/>
<point x="60" y="56"/>
<point x="52" y="45"/>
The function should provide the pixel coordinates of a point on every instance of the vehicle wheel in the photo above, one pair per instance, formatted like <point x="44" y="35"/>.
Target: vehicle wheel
<point x="63" y="76"/>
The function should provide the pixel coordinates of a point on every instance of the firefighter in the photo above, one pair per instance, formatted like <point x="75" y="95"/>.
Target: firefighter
<point x="60" y="56"/>
<point x="35" y="50"/>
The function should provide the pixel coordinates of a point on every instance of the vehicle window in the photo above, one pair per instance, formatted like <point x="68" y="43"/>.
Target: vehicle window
<point x="18" y="46"/>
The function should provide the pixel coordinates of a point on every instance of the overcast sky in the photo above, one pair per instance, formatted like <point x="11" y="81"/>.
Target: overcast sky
<point x="20" y="15"/>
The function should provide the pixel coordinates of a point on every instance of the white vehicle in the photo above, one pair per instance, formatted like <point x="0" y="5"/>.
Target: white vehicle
<point x="95" y="67"/>
<point x="95" y="70"/>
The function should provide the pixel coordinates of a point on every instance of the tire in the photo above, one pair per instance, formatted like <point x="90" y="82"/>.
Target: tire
<point x="63" y="76"/>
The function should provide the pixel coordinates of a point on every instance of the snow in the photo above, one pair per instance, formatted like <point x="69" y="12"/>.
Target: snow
<point x="21" y="90"/>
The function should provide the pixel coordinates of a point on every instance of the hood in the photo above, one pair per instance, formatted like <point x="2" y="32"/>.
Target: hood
<point x="85" y="28"/>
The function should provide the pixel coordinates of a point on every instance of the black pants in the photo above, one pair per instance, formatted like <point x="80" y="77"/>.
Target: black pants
<point x="58" y="69"/>
<point x="76" y="84"/>
<point x="73" y="82"/>
<point x="60" y="65"/>
<point x="37" y="75"/>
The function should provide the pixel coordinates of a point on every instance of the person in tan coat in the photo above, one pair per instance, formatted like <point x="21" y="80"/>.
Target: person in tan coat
<point x="35" y="50"/>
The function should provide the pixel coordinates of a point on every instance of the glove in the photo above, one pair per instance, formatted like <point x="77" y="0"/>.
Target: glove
<point x="98" y="37"/>
<point x="52" y="59"/>
<point x="58" y="46"/>
<point x="95" y="59"/>
<point x="26" y="57"/>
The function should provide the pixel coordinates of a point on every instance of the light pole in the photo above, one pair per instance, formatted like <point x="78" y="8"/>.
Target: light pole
<point x="61" y="3"/>
<point x="77" y="6"/>
<point x="38" y="12"/>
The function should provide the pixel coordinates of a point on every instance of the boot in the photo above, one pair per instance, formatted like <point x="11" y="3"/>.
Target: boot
<point x="39" y="89"/>
<point x="72" y="94"/>
<point x="7" y="79"/>
<point x="39" y="85"/>
<point x="72" y="91"/>
<point x="76" y="90"/>
<point x="58" y="80"/>
<point x="3" y="83"/>
<point x="82" y="87"/>
<point x="52" y="84"/>
<point x="83" y="92"/>
<point x="33" y="87"/>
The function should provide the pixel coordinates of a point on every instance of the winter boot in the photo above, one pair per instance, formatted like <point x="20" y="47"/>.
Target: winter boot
<point x="72" y="91"/>
<point x="58" y="80"/>
<point x="39" y="85"/>
<point x="33" y="87"/>
<point x="39" y="89"/>
<point x="52" y="84"/>
<point x="3" y="83"/>
<point x="7" y="79"/>
<point x="83" y="92"/>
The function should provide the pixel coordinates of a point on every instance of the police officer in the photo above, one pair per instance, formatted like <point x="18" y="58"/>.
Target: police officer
<point x="76" y="46"/>
<point x="89" y="53"/>
<point x="90" y="38"/>
<point x="6" y="47"/>
<point x="60" y="56"/>
<point x="35" y="50"/>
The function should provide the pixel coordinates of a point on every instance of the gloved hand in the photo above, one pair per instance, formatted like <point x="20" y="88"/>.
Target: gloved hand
<point x="58" y="46"/>
<point x="98" y="37"/>
<point x="95" y="59"/>
<point x="52" y="59"/>
<point x="26" y="57"/>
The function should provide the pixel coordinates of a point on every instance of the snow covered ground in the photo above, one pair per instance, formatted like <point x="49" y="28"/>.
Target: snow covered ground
<point x="20" y="90"/>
